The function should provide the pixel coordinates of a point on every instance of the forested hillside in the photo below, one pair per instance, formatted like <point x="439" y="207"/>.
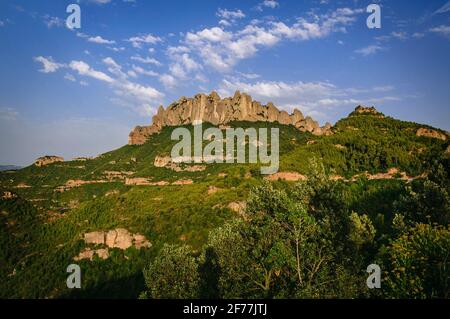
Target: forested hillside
<point x="374" y="191"/>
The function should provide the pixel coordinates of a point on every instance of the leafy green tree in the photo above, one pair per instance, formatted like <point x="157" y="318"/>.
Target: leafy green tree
<point x="172" y="275"/>
<point x="418" y="264"/>
<point x="362" y="231"/>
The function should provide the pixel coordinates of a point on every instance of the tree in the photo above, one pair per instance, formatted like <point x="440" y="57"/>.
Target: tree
<point x="418" y="264"/>
<point x="173" y="274"/>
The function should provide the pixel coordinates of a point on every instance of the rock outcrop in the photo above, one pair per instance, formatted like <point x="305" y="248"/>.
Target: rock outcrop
<point x="360" y="109"/>
<point x="47" y="160"/>
<point x="8" y="195"/>
<point x="212" y="109"/>
<point x="431" y="133"/>
<point x="117" y="238"/>
<point x="286" y="176"/>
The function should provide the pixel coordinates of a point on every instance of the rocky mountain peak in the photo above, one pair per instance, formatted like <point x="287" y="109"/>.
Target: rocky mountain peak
<point x="217" y="111"/>
<point x="360" y="109"/>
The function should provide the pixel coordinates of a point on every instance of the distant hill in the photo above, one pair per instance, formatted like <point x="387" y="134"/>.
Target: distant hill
<point x="9" y="168"/>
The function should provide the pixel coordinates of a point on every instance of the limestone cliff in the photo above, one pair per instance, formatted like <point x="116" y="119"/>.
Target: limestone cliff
<point x="211" y="108"/>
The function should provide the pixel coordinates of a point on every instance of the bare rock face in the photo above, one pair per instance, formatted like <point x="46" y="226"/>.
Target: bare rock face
<point x="431" y="133"/>
<point x="115" y="238"/>
<point x="238" y="207"/>
<point x="96" y="237"/>
<point x="89" y="254"/>
<point x="286" y="176"/>
<point x="212" y="109"/>
<point x="47" y="160"/>
<point x="119" y="238"/>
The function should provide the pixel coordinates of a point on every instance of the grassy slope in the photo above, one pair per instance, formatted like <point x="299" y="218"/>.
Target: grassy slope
<point x="53" y="222"/>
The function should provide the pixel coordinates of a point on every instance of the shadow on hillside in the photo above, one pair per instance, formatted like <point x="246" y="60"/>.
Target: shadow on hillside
<point x="124" y="288"/>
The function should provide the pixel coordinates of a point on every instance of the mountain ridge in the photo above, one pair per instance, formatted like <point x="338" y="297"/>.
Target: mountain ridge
<point x="217" y="111"/>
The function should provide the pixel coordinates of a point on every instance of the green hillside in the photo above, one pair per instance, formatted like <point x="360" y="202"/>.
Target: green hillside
<point x="355" y="217"/>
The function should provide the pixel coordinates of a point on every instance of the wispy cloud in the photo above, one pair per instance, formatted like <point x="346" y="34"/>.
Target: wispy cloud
<point x="141" y="98"/>
<point x="221" y="49"/>
<point x="370" y="50"/>
<point x="51" y="22"/>
<point x="98" y="39"/>
<point x="442" y="30"/>
<point x="48" y="64"/>
<point x="140" y="40"/>
<point x="146" y="60"/>
<point x="443" y="9"/>
<point x="267" y="4"/>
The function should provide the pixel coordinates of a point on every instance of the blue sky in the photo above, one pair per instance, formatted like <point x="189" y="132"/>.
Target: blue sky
<point x="79" y="92"/>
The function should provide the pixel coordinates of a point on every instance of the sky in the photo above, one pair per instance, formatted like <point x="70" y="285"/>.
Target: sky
<point x="79" y="92"/>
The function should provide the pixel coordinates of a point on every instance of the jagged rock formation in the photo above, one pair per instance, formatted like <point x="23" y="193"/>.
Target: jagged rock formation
<point x="211" y="108"/>
<point x="360" y="109"/>
<point x="47" y="160"/>
<point x="431" y="133"/>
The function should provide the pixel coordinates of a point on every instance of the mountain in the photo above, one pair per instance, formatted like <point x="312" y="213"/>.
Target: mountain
<point x="212" y="109"/>
<point x="115" y="214"/>
<point x="9" y="168"/>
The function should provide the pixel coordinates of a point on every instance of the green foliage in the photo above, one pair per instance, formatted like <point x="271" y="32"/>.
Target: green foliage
<point x="309" y="239"/>
<point x="173" y="274"/>
<point x="418" y="264"/>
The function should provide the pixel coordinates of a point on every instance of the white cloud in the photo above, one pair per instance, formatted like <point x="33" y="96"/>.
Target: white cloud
<point x="138" y="41"/>
<point x="98" y="39"/>
<point x="272" y="4"/>
<point x="48" y="65"/>
<point x="116" y="49"/>
<point x="369" y="50"/>
<point x="84" y="69"/>
<point x="222" y="49"/>
<point x="70" y="77"/>
<point x="146" y="60"/>
<point x="400" y="35"/>
<point x="229" y="14"/>
<point x="141" y="98"/>
<point x="168" y="81"/>
<point x="224" y="23"/>
<point x="442" y="30"/>
<point x="139" y="70"/>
